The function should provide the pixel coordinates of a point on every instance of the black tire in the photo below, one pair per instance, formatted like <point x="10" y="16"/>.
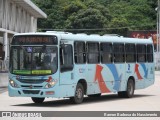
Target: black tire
<point x="129" y="91"/>
<point x="95" y="95"/>
<point x="79" y="94"/>
<point x="37" y="100"/>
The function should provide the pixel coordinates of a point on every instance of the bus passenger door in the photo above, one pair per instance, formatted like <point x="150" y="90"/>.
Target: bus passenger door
<point x="66" y="64"/>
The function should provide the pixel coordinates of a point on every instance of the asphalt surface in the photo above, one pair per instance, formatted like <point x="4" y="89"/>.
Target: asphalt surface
<point x="3" y="89"/>
<point x="3" y="80"/>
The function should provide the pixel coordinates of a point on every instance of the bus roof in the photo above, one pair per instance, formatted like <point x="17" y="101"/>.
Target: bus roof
<point x="91" y="38"/>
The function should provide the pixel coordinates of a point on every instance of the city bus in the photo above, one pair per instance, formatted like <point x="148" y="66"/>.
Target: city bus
<point x="65" y="65"/>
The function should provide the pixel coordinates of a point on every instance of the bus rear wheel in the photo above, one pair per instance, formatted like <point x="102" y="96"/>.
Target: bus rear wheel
<point x="130" y="90"/>
<point x="37" y="100"/>
<point x="79" y="94"/>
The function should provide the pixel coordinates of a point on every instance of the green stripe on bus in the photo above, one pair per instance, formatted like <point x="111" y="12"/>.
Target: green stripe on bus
<point x="22" y="71"/>
<point x="41" y="71"/>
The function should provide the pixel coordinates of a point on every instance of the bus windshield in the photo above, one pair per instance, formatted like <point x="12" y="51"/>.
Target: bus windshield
<point x="33" y="60"/>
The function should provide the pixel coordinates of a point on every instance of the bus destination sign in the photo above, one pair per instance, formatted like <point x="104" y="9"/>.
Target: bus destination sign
<point x="35" y="40"/>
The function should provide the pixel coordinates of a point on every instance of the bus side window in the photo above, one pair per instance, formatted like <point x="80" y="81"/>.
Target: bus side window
<point x="66" y="57"/>
<point x="149" y="53"/>
<point x="118" y="49"/>
<point x="141" y="53"/>
<point x="106" y="53"/>
<point x="79" y="52"/>
<point x="130" y="53"/>
<point x="93" y="56"/>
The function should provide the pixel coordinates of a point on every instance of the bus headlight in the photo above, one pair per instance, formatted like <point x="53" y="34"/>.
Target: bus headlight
<point x="50" y="84"/>
<point x="13" y="84"/>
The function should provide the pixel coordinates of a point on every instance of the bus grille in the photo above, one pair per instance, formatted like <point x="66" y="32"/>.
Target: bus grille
<point x="31" y="91"/>
<point x="35" y="81"/>
<point x="34" y="86"/>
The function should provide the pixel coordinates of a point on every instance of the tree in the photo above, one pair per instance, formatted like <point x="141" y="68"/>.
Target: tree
<point x="138" y="14"/>
<point x="55" y="15"/>
<point x="86" y="19"/>
<point x="111" y="16"/>
<point x="73" y="7"/>
<point x="90" y="15"/>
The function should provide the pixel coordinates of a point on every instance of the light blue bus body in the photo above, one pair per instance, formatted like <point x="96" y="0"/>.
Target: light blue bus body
<point x="95" y="78"/>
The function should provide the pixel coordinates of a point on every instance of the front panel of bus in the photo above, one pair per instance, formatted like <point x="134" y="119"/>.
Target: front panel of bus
<point x="33" y="67"/>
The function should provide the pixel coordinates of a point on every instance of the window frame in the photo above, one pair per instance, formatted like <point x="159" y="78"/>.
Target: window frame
<point x="64" y="67"/>
<point x="93" y="52"/>
<point x="117" y="52"/>
<point x="106" y="52"/>
<point x="151" y="54"/>
<point x="81" y="52"/>
<point x="133" y="53"/>
<point x="141" y="53"/>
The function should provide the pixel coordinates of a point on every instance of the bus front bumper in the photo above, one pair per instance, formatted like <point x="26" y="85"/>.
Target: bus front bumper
<point x="22" y="92"/>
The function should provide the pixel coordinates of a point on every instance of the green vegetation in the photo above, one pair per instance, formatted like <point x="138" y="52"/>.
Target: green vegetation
<point x="98" y="16"/>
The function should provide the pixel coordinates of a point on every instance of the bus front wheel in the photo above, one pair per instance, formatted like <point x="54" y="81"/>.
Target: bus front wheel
<point x="37" y="100"/>
<point x="79" y="94"/>
<point x="129" y="91"/>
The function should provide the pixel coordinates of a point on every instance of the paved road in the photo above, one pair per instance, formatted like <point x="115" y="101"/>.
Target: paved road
<point x="3" y="79"/>
<point x="144" y="100"/>
<point x="3" y="89"/>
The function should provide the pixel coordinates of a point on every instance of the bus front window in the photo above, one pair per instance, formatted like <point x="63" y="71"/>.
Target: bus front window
<point x="33" y="60"/>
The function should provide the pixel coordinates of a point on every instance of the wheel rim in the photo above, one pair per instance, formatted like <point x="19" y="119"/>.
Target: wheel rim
<point x="79" y="93"/>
